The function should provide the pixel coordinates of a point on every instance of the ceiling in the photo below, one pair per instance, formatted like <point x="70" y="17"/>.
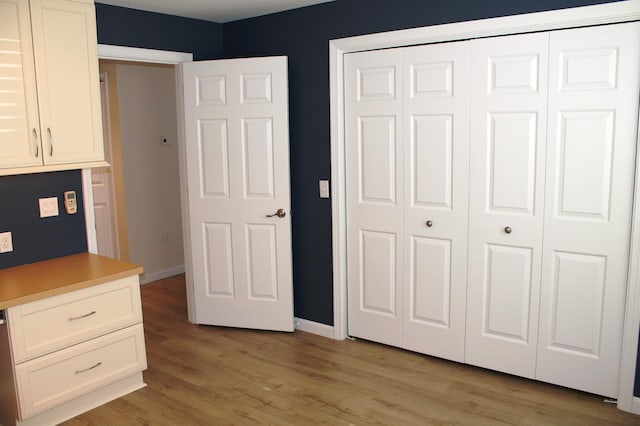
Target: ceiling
<point x="214" y="10"/>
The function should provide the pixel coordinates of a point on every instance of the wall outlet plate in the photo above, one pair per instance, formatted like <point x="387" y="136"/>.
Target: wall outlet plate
<point x="6" y="242"/>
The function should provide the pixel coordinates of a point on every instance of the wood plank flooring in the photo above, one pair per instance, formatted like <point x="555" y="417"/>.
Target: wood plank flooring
<point x="202" y="375"/>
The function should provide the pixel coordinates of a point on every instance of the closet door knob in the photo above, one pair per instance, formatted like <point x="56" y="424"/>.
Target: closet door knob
<point x="507" y="229"/>
<point x="429" y="224"/>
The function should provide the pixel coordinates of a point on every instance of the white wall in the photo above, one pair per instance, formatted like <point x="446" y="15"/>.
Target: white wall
<point x="147" y="110"/>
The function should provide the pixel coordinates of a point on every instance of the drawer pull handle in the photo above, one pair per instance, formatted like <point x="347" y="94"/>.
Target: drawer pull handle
<point x="82" y="316"/>
<point x="90" y="368"/>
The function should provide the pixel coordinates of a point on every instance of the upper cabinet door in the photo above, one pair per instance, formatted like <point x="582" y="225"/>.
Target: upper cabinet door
<point x="65" y="46"/>
<point x="19" y="127"/>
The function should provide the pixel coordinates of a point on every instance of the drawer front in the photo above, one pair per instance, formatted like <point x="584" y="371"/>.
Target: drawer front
<point x="44" y="326"/>
<point x="53" y="379"/>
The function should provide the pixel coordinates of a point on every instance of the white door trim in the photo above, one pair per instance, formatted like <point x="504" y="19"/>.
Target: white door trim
<point x="542" y="21"/>
<point x="123" y="53"/>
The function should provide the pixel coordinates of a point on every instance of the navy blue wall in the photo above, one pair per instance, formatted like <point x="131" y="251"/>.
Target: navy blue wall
<point x="34" y="238"/>
<point x="135" y="28"/>
<point x="303" y="35"/>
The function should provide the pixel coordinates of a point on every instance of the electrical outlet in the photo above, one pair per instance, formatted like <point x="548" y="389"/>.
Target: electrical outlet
<point x="6" y="243"/>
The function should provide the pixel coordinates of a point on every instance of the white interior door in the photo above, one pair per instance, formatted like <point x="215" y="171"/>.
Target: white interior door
<point x="374" y="159"/>
<point x="102" y="186"/>
<point x="506" y="194"/>
<point x="237" y="156"/>
<point x="593" y="111"/>
<point x="407" y="131"/>
<point x="436" y="152"/>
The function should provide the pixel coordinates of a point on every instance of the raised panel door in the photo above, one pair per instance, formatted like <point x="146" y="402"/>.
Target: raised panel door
<point x="374" y="159"/>
<point x="237" y="156"/>
<point x="507" y="127"/>
<point x="593" y="111"/>
<point x="435" y="208"/>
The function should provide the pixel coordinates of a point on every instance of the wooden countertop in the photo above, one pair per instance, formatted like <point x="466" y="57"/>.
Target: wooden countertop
<point x="34" y="281"/>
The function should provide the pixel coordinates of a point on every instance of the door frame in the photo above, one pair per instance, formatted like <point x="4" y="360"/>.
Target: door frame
<point x="135" y="54"/>
<point x="607" y="13"/>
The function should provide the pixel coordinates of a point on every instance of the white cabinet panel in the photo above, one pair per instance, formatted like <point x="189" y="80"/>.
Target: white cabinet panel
<point x="73" y="317"/>
<point x="49" y="86"/>
<point x="19" y="125"/>
<point x="53" y="379"/>
<point x="67" y="79"/>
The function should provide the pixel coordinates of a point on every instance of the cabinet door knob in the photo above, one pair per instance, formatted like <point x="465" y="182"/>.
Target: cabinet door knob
<point x="429" y="224"/>
<point x="507" y="229"/>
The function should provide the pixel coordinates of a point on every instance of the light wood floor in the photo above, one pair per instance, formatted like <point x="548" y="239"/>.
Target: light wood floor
<point x="201" y="375"/>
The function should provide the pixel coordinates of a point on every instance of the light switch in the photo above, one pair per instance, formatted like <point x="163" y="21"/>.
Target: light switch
<point x="49" y="207"/>
<point x="324" y="189"/>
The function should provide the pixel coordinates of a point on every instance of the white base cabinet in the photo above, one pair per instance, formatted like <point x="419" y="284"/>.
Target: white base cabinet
<point x="77" y="350"/>
<point x="489" y="198"/>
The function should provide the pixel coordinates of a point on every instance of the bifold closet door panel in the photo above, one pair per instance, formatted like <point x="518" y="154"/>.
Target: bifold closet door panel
<point x="506" y="189"/>
<point x="436" y="155"/>
<point x="373" y="110"/>
<point x="593" y="112"/>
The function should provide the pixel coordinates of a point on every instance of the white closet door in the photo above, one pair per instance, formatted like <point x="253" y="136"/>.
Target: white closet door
<point x="593" y="110"/>
<point x="508" y="128"/>
<point x="373" y="110"/>
<point x="436" y="155"/>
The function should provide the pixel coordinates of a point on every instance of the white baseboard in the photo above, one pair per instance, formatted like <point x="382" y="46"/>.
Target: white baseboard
<point x="158" y="275"/>
<point x="635" y="405"/>
<point x="314" y="328"/>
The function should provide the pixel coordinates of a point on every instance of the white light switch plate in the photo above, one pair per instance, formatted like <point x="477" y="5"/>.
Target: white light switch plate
<point x="324" y="189"/>
<point x="49" y="207"/>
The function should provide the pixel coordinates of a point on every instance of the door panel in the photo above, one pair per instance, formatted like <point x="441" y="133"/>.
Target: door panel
<point x="373" y="84"/>
<point x="237" y="152"/>
<point x="593" y="111"/>
<point x="435" y="198"/>
<point x="506" y="187"/>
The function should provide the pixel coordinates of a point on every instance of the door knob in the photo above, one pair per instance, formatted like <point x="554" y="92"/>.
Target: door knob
<point x="429" y="223"/>
<point x="280" y="213"/>
<point x="507" y="229"/>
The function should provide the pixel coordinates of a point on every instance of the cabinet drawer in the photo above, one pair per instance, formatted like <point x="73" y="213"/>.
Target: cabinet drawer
<point x="57" y="322"/>
<point x="59" y="377"/>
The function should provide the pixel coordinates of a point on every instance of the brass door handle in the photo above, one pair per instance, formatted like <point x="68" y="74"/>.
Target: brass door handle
<point x="280" y="213"/>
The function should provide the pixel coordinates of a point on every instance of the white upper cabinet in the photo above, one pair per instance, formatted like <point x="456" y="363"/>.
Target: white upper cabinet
<point x="49" y="86"/>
